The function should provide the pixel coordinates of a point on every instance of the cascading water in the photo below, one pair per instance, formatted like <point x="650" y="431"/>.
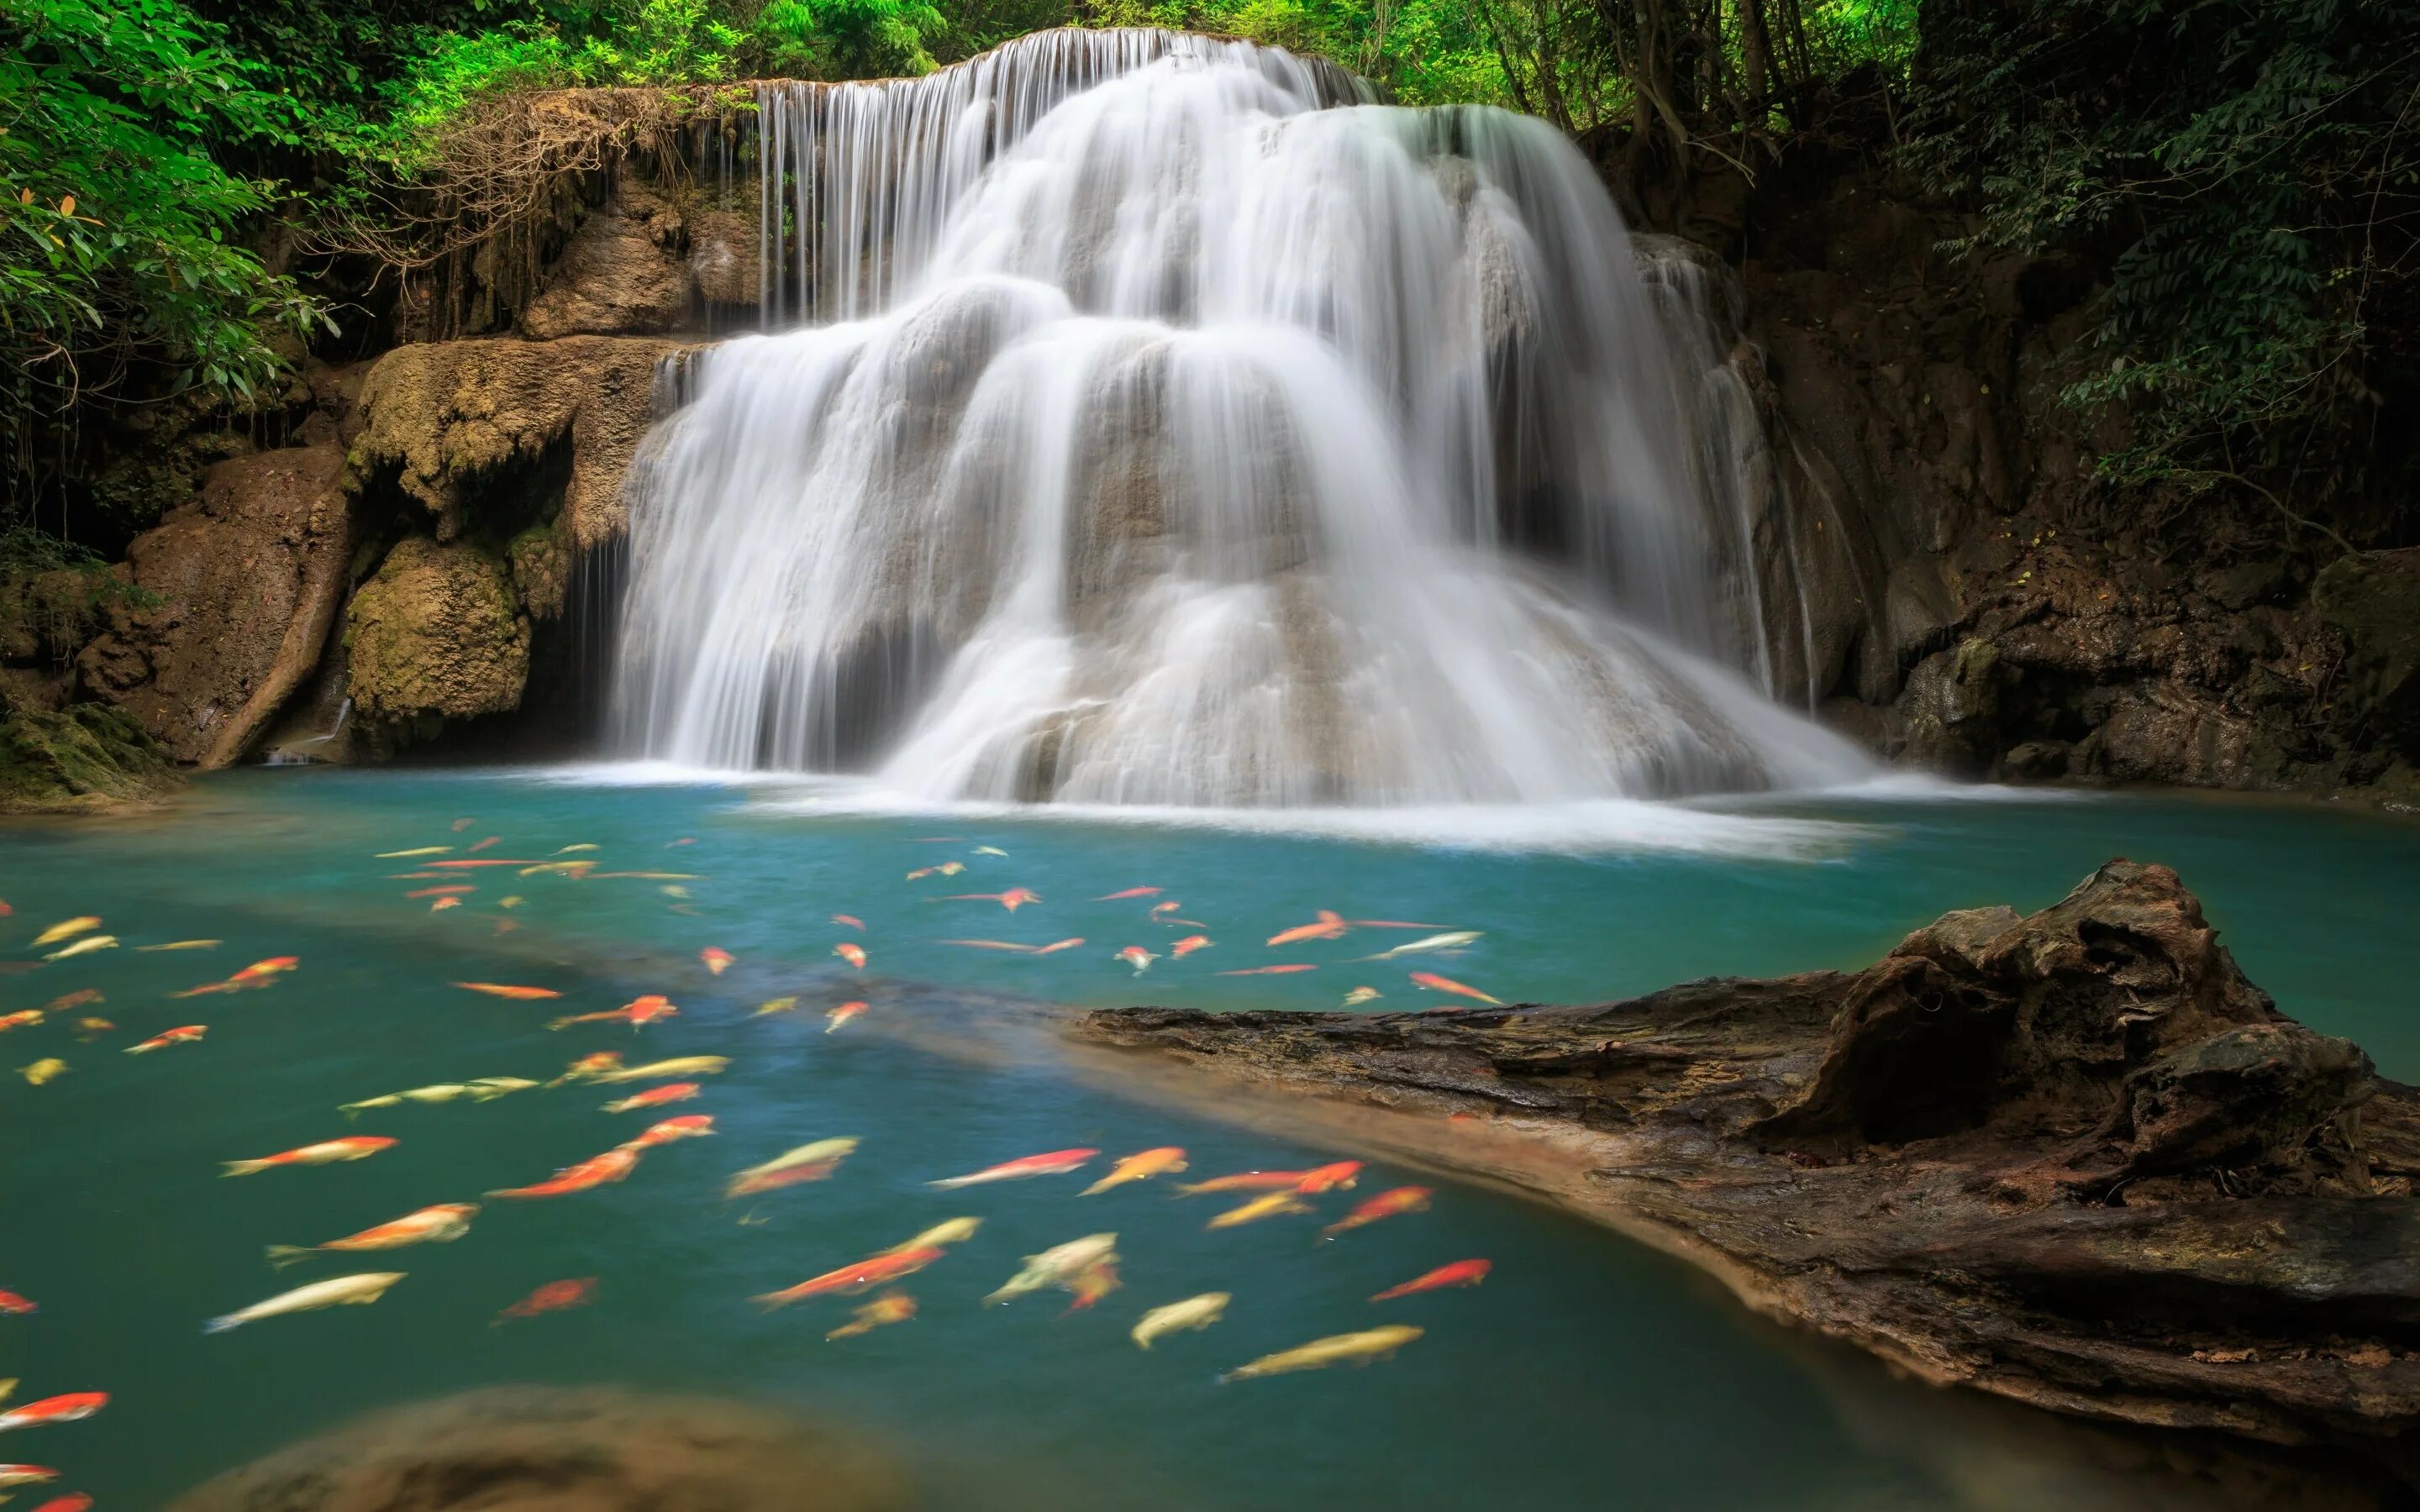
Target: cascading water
<point x="1178" y="428"/>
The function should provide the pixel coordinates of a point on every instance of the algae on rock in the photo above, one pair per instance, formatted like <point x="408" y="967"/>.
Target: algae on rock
<point x="81" y="758"/>
<point x="435" y="634"/>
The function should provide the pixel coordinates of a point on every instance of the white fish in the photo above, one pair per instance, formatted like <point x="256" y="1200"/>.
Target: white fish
<point x="485" y="1089"/>
<point x="89" y="943"/>
<point x="1450" y="940"/>
<point x="989" y="849"/>
<point x="341" y="1291"/>
<point x="1196" y="1313"/>
<point x="1058" y="1265"/>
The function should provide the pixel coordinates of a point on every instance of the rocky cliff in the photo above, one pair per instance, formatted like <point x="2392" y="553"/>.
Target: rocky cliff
<point x="1954" y="581"/>
<point x="1942" y="572"/>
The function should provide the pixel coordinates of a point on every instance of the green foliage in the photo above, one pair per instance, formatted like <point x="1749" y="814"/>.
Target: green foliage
<point x="2248" y="175"/>
<point x="118" y="227"/>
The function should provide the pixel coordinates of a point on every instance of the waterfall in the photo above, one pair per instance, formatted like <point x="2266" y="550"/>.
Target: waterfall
<point x="1171" y="424"/>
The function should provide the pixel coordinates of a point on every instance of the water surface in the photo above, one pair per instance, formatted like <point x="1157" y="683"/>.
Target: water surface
<point x="1585" y="1371"/>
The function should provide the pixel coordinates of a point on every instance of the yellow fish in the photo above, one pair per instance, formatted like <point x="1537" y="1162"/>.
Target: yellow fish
<point x="66" y="931"/>
<point x="894" y="1307"/>
<point x="183" y="945"/>
<point x="778" y="1004"/>
<point x="569" y="869"/>
<point x="44" y="1071"/>
<point x="948" y="1231"/>
<point x="512" y="902"/>
<point x="665" y="1070"/>
<point x="570" y="849"/>
<point x="1337" y="1348"/>
<point x="1166" y="1160"/>
<point x="1270" y="1205"/>
<point x="425" y="850"/>
<point x="84" y="947"/>
<point x="1196" y="1313"/>
<point x="7" y="1388"/>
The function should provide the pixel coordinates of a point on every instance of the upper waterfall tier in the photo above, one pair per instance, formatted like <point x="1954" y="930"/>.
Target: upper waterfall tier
<point x="1177" y="428"/>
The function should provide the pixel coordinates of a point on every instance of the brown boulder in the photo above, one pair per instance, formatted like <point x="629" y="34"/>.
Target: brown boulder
<point x="241" y="586"/>
<point x="548" y="1449"/>
<point x="623" y="273"/>
<point x="435" y="634"/>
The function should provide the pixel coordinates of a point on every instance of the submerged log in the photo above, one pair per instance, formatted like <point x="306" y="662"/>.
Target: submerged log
<point x="2076" y="1158"/>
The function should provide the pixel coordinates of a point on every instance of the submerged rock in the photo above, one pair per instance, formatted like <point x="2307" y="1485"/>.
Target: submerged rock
<point x="2074" y="1158"/>
<point x="542" y="1449"/>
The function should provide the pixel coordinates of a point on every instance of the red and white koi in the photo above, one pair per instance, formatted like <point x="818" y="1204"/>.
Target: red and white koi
<point x="717" y="959"/>
<point x="1137" y="957"/>
<point x="189" y="1034"/>
<point x="654" y="1096"/>
<point x="439" y="1225"/>
<point x="639" y="1012"/>
<point x="1053" y="1163"/>
<point x="72" y="1408"/>
<point x="861" y="1275"/>
<point x="841" y="1016"/>
<point x="853" y="955"/>
<point x="1460" y="1274"/>
<point x="688" y="1126"/>
<point x="596" y="1170"/>
<point x="327" y="1152"/>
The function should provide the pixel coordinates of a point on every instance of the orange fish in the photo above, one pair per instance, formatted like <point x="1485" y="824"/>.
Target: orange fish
<point x="850" y="920"/>
<point x="587" y="1066"/>
<point x="654" y="1096"/>
<point x="1331" y="926"/>
<point x="841" y="1016"/>
<point x="596" y="1170"/>
<point x="73" y="1000"/>
<point x="12" y="1305"/>
<point x="190" y="1034"/>
<point x="1188" y="945"/>
<point x="1386" y="1204"/>
<point x="895" y="1308"/>
<point x="517" y="995"/>
<point x="439" y="1225"/>
<point x="639" y="1011"/>
<point x="24" y="1018"/>
<point x="72" y="1501"/>
<point x="675" y="844"/>
<point x="258" y="974"/>
<point x="919" y="874"/>
<point x="465" y="866"/>
<point x="356" y="1146"/>
<point x="1245" y="1181"/>
<point x="72" y="1408"/>
<point x="1436" y="983"/>
<point x="1272" y="971"/>
<point x="1057" y="946"/>
<point x="1342" y="1173"/>
<point x="1164" y="1161"/>
<point x="552" y="1298"/>
<point x="689" y="1126"/>
<point x="1013" y="900"/>
<point x="1130" y="893"/>
<point x="1460" y="1274"/>
<point x="853" y="955"/>
<point x="1055" y="1163"/>
<point x="1091" y="1284"/>
<point x="447" y="890"/>
<point x="444" y="904"/>
<point x="715" y="958"/>
<point x="863" y="1275"/>
<point x="483" y="844"/>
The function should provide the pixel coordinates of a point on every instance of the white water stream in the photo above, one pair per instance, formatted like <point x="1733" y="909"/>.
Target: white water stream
<point x="1173" y="426"/>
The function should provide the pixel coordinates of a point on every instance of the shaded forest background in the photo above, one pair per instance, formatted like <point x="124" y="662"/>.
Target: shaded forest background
<point x="182" y="180"/>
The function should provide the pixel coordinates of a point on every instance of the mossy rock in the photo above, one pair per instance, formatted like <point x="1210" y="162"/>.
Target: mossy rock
<point x="84" y="757"/>
<point x="2372" y="598"/>
<point x="438" y="634"/>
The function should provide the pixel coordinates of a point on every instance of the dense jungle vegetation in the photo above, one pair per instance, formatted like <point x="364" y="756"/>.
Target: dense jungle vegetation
<point x="174" y="173"/>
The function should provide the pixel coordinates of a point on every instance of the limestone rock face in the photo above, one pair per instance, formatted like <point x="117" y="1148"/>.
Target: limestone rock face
<point x="2373" y="600"/>
<point x="623" y="273"/>
<point x="450" y="413"/>
<point x="435" y="634"/>
<point x="251" y="565"/>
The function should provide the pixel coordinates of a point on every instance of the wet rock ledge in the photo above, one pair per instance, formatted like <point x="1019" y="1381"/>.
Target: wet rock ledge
<point x="2074" y="1158"/>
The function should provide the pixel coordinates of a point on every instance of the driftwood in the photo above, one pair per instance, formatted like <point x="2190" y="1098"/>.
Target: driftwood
<point x="2075" y="1159"/>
